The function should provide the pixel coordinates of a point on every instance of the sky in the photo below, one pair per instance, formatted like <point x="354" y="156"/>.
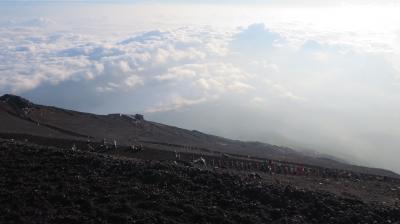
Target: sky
<point x="312" y="75"/>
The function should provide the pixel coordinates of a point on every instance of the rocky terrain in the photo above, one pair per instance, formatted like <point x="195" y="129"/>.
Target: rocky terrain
<point x="19" y="116"/>
<point x="45" y="184"/>
<point x="62" y="166"/>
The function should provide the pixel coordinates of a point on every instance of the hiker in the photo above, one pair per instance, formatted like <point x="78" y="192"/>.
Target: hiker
<point x="134" y="148"/>
<point x="176" y="154"/>
<point x="291" y="168"/>
<point x="88" y="144"/>
<point x="104" y="144"/>
<point x="272" y="166"/>
<point x="200" y="161"/>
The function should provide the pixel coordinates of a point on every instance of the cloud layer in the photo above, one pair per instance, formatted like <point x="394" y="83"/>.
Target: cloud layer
<point x="292" y="80"/>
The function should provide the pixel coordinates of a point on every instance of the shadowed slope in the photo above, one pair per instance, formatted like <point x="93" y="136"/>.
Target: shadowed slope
<point x="18" y="115"/>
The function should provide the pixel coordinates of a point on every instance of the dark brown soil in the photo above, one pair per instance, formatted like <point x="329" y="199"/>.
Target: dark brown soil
<point x="18" y="116"/>
<point x="52" y="185"/>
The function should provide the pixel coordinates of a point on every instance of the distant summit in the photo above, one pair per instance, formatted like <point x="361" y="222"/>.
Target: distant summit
<point x="136" y="117"/>
<point x="16" y="102"/>
<point x="139" y="117"/>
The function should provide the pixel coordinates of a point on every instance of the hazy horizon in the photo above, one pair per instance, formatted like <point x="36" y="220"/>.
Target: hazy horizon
<point x="319" y="75"/>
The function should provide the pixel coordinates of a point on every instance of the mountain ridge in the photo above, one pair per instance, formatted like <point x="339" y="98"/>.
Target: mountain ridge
<point x="20" y="116"/>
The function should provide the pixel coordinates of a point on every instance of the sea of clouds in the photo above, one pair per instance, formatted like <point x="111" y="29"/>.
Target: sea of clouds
<point x="322" y="79"/>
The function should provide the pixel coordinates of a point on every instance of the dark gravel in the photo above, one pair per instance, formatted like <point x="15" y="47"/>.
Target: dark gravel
<point x="51" y="185"/>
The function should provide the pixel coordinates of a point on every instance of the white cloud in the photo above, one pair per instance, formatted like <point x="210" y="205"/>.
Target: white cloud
<point x="265" y="66"/>
<point x="209" y="77"/>
<point x="256" y="40"/>
<point x="38" y="22"/>
<point x="177" y="73"/>
<point x="174" y="103"/>
<point x="326" y="75"/>
<point x="133" y="81"/>
<point x="59" y="57"/>
<point x="257" y="100"/>
<point x="282" y="91"/>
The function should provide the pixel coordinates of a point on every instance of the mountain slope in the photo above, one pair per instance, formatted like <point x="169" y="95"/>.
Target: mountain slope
<point x="20" y="116"/>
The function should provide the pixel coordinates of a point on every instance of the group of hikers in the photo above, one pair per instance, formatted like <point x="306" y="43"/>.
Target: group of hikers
<point x="109" y="146"/>
<point x="279" y="167"/>
<point x="300" y="169"/>
<point x="268" y="166"/>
